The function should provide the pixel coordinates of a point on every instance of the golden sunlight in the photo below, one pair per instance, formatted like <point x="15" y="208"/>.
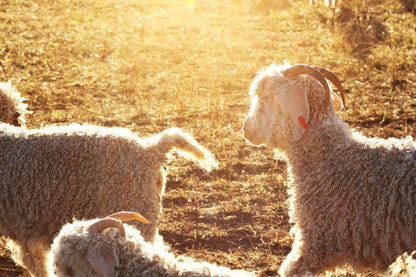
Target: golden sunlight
<point x="190" y="3"/>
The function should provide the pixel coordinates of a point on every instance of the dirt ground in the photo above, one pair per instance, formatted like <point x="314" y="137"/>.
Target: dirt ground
<point x="237" y="215"/>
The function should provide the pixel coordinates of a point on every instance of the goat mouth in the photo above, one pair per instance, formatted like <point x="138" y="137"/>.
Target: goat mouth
<point x="250" y="134"/>
<point x="253" y="140"/>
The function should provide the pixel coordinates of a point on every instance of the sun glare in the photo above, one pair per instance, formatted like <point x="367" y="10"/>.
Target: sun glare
<point x="190" y="3"/>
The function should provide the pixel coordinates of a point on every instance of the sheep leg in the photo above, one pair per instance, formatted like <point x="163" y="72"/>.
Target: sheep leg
<point x="153" y="210"/>
<point x="298" y="265"/>
<point x="35" y="260"/>
<point x="31" y="255"/>
<point x="305" y="259"/>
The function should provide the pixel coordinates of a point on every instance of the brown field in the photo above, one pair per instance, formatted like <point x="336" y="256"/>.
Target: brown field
<point x="150" y="65"/>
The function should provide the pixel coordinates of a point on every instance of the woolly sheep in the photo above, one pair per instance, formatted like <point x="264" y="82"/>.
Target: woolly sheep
<point x="352" y="199"/>
<point x="12" y="106"/>
<point x="106" y="247"/>
<point x="50" y="175"/>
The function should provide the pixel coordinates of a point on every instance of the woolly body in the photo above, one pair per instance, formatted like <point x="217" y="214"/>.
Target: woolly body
<point x="51" y="175"/>
<point x="68" y="255"/>
<point x="352" y="198"/>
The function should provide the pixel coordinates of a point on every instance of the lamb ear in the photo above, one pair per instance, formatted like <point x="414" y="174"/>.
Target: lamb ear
<point x="103" y="259"/>
<point x="295" y="106"/>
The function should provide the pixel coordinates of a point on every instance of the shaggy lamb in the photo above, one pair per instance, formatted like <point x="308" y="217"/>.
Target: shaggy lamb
<point x="352" y="198"/>
<point x="106" y="247"/>
<point x="12" y="106"/>
<point x="49" y="176"/>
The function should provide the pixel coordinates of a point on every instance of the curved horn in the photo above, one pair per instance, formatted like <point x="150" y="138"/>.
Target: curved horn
<point x="105" y="223"/>
<point x="308" y="70"/>
<point x="334" y="79"/>
<point x="126" y="216"/>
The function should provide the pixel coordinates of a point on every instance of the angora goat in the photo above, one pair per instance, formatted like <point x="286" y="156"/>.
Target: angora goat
<point x="352" y="198"/>
<point x="49" y="176"/>
<point x="106" y="247"/>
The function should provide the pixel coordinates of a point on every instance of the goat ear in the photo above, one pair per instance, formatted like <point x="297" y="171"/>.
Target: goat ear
<point x="337" y="102"/>
<point x="295" y="106"/>
<point x="103" y="259"/>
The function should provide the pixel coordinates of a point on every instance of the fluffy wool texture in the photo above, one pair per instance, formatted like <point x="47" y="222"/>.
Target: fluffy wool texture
<point x="352" y="198"/>
<point x="136" y="257"/>
<point x="49" y="176"/>
<point x="404" y="266"/>
<point x="12" y="106"/>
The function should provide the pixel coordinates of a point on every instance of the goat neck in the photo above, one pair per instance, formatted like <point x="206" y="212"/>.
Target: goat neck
<point x="323" y="144"/>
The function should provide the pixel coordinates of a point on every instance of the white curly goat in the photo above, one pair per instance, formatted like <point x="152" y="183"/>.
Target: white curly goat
<point x="106" y="247"/>
<point x="352" y="199"/>
<point x="12" y="106"/>
<point x="404" y="266"/>
<point x="49" y="176"/>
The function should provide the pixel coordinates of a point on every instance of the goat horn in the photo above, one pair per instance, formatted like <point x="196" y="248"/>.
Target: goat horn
<point x="334" y="79"/>
<point x="126" y="216"/>
<point x="105" y="223"/>
<point x="308" y="70"/>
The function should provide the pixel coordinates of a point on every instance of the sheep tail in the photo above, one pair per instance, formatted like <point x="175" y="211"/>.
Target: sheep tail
<point x="187" y="146"/>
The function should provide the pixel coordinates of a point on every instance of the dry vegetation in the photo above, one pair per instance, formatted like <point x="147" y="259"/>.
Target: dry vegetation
<point x="149" y="65"/>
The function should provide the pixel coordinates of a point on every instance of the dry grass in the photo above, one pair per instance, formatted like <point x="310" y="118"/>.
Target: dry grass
<point x="149" y="65"/>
